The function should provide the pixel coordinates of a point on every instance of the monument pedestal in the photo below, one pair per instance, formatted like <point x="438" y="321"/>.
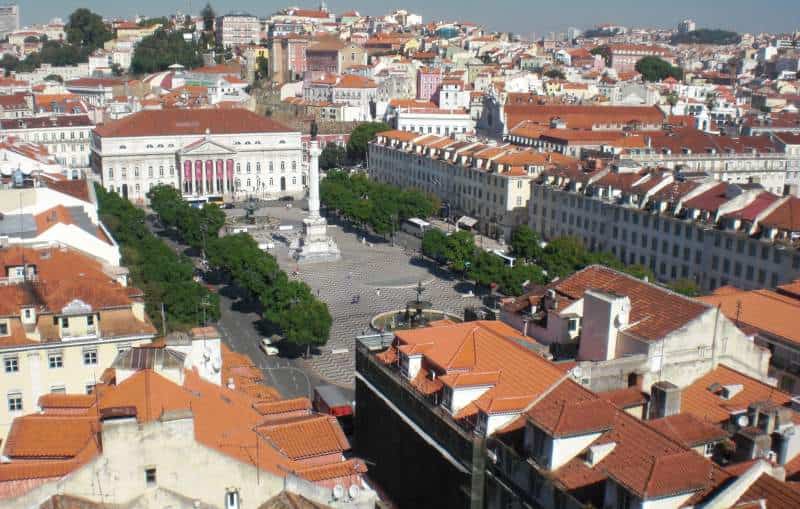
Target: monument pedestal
<point x="316" y="245"/>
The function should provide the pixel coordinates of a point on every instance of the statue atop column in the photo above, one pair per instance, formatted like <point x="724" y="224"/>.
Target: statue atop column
<point x="316" y="245"/>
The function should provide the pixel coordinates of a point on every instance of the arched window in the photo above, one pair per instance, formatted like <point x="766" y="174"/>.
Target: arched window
<point x="248" y="182"/>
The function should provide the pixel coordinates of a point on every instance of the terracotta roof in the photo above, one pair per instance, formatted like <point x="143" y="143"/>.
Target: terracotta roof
<point x="774" y="493"/>
<point x="292" y="438"/>
<point x="698" y="400"/>
<point x="563" y="418"/>
<point x="624" y="398"/>
<point x="190" y="122"/>
<point x="35" y="436"/>
<point x="655" y="312"/>
<point x="764" y="311"/>
<point x="74" y="401"/>
<point x="76" y="188"/>
<point x="785" y="217"/>
<point x="663" y="476"/>
<point x="688" y="429"/>
<point x="581" y="117"/>
<point x="282" y="406"/>
<point x="333" y="470"/>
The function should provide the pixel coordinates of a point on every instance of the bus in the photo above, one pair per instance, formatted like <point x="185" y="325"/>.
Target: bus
<point x="508" y="260"/>
<point x="415" y="226"/>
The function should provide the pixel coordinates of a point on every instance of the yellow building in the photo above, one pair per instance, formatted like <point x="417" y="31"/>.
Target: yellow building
<point x="63" y="319"/>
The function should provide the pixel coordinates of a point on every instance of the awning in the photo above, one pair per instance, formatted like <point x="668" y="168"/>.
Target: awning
<point x="467" y="221"/>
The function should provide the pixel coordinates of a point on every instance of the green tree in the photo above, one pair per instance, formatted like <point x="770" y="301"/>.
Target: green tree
<point x="162" y="49"/>
<point x="555" y="74"/>
<point x="459" y="250"/>
<point x="333" y="156"/>
<point x="672" y="99"/>
<point x="525" y="243"/>
<point x="434" y="245"/>
<point x="640" y="272"/>
<point x="54" y="77"/>
<point x="209" y="16"/>
<point x="706" y="36"/>
<point x="262" y="68"/>
<point x="513" y="279"/>
<point x="360" y="138"/>
<point x="486" y="268"/>
<point x="604" y="51"/>
<point x="87" y="30"/>
<point x="655" y="69"/>
<point x="687" y="287"/>
<point x="9" y="63"/>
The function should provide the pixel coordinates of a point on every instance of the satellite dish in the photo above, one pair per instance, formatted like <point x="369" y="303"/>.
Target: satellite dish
<point x="576" y="372"/>
<point x="353" y="491"/>
<point x="338" y="492"/>
<point x="742" y="421"/>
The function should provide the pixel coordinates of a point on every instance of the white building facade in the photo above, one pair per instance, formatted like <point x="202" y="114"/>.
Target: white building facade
<point x="207" y="154"/>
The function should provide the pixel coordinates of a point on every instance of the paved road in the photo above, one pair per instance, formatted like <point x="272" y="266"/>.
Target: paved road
<point x="292" y="377"/>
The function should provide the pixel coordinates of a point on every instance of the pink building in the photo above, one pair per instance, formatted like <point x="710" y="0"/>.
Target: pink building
<point x="625" y="56"/>
<point x="428" y="81"/>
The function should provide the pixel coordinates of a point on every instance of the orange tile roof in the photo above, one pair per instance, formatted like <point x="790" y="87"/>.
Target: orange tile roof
<point x="282" y="406"/>
<point x="688" y="429"/>
<point x="655" y="312"/>
<point x="292" y="438"/>
<point x="774" y="493"/>
<point x="190" y="122"/>
<point x="484" y="347"/>
<point x="624" y="398"/>
<point x="663" y="476"/>
<point x="36" y="436"/>
<point x="333" y="470"/>
<point x="564" y="418"/>
<point x="707" y="406"/>
<point x="764" y="311"/>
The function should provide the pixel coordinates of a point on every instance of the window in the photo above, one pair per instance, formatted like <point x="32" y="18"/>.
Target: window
<point x="65" y="322"/>
<point x="3" y="329"/>
<point x="11" y="364"/>
<point x="709" y="449"/>
<point x="232" y="500"/>
<point x="150" y="476"/>
<point x="90" y="357"/>
<point x="90" y="320"/>
<point x="58" y="389"/>
<point x="90" y="388"/>
<point x="55" y="360"/>
<point x="15" y="402"/>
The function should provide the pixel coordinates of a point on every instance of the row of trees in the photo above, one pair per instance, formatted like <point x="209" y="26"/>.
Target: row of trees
<point x="381" y="207"/>
<point x="288" y="306"/>
<point x="535" y="264"/>
<point x="165" y="277"/>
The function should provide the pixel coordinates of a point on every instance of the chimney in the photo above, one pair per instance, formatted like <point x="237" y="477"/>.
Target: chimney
<point x="665" y="400"/>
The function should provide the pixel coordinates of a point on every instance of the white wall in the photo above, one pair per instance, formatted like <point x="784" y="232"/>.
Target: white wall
<point x="564" y="449"/>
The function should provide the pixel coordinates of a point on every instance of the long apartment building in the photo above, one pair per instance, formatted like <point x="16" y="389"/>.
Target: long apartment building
<point x="227" y="154"/>
<point x="63" y="319"/>
<point x="715" y="233"/>
<point x="490" y="183"/>
<point x="486" y="421"/>
<point x="66" y="137"/>
<point x="772" y="161"/>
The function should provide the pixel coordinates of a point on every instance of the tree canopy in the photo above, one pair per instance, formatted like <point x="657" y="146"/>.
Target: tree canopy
<point x="333" y="156"/>
<point x="164" y="276"/>
<point x="555" y="74"/>
<point x="706" y="36"/>
<point x="382" y="207"/>
<point x="288" y="306"/>
<point x="163" y="49"/>
<point x="208" y="16"/>
<point x="604" y="51"/>
<point x="655" y="69"/>
<point x="360" y="138"/>
<point x="87" y="30"/>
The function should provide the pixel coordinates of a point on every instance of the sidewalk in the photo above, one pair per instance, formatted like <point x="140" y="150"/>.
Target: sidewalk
<point x="481" y="241"/>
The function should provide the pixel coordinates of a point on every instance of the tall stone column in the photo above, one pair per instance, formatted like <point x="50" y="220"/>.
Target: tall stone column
<point x="313" y="179"/>
<point x="316" y="245"/>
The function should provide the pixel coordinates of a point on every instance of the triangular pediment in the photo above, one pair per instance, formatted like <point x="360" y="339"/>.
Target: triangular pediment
<point x="206" y="147"/>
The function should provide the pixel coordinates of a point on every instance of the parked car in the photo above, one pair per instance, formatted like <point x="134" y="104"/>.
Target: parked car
<point x="267" y="348"/>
